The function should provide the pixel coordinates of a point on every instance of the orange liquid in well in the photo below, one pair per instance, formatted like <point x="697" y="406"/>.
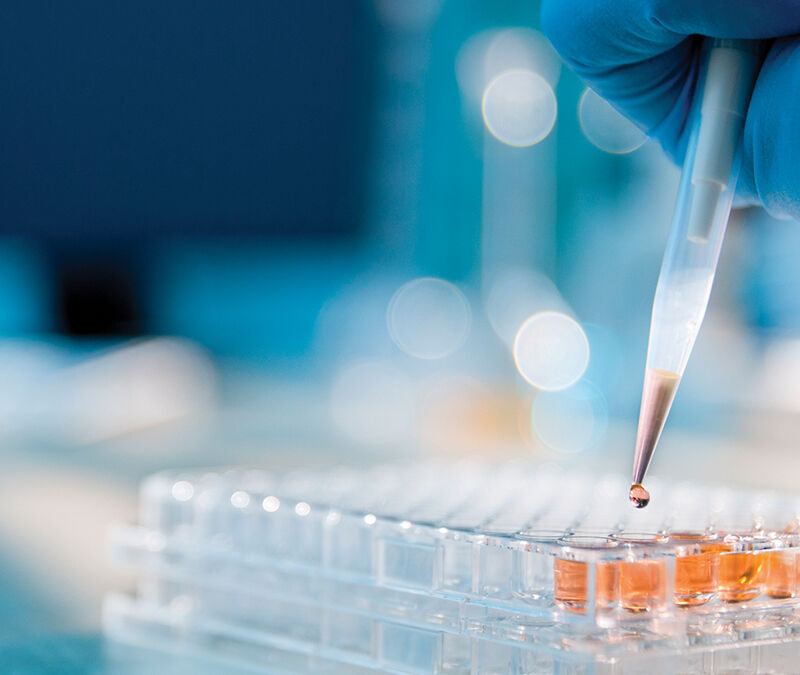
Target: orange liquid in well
<point x="696" y="576"/>
<point x="571" y="581"/>
<point x="643" y="585"/>
<point x="781" y="575"/>
<point x="797" y="574"/>
<point x="741" y="576"/>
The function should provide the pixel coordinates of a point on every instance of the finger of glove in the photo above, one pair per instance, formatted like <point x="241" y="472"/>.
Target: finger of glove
<point x="771" y="145"/>
<point x="638" y="53"/>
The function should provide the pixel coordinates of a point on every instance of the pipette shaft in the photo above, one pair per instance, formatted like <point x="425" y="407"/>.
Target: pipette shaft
<point x="708" y="182"/>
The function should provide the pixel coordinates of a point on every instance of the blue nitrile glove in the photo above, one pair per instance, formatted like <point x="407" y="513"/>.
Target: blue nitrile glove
<point x="642" y="55"/>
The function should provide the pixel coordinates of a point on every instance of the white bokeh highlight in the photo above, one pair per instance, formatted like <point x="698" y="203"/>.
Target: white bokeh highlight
<point x="240" y="499"/>
<point x="271" y="504"/>
<point x="519" y="107"/>
<point x="551" y="351"/>
<point x="515" y="294"/>
<point x="523" y="48"/>
<point x="428" y="318"/>
<point x="488" y="53"/>
<point x="182" y="491"/>
<point x="605" y="127"/>
<point x="130" y="388"/>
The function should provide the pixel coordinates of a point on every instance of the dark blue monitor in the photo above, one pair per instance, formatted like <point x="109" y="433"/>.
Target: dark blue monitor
<point x="127" y="120"/>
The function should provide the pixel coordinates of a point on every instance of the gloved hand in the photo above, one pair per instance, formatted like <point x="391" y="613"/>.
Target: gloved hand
<point x="642" y="55"/>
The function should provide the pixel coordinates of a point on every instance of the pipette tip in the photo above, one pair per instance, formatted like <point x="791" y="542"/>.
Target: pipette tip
<point x="639" y="496"/>
<point x="657" y="395"/>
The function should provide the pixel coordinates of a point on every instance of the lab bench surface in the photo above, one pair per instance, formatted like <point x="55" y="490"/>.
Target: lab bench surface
<point x="88" y="654"/>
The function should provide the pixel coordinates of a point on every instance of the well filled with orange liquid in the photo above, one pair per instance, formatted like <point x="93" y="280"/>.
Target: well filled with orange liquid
<point x="696" y="574"/>
<point x="643" y="585"/>
<point x="733" y="568"/>
<point x="781" y="574"/>
<point x="741" y="576"/>
<point x="571" y="584"/>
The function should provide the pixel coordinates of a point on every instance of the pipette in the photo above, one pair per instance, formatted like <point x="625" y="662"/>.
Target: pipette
<point x="708" y="182"/>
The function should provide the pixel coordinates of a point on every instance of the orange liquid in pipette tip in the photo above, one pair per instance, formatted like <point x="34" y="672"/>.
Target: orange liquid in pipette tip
<point x="657" y="396"/>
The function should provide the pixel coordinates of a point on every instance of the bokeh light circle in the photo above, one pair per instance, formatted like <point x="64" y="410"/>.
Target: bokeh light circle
<point x="428" y="318"/>
<point x="240" y="499"/>
<point x="271" y="504"/>
<point x="551" y="351"/>
<point x="182" y="490"/>
<point x="486" y="54"/>
<point x="522" y="48"/>
<point x="605" y="127"/>
<point x="519" y="107"/>
<point x="515" y="294"/>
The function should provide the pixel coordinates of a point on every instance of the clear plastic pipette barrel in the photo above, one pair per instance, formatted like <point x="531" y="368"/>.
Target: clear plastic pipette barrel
<point x="708" y="183"/>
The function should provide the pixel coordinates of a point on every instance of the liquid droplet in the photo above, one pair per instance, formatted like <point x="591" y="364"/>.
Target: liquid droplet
<point x="639" y="496"/>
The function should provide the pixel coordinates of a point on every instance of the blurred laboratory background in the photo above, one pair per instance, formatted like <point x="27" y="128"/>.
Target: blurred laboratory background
<point x="300" y="233"/>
